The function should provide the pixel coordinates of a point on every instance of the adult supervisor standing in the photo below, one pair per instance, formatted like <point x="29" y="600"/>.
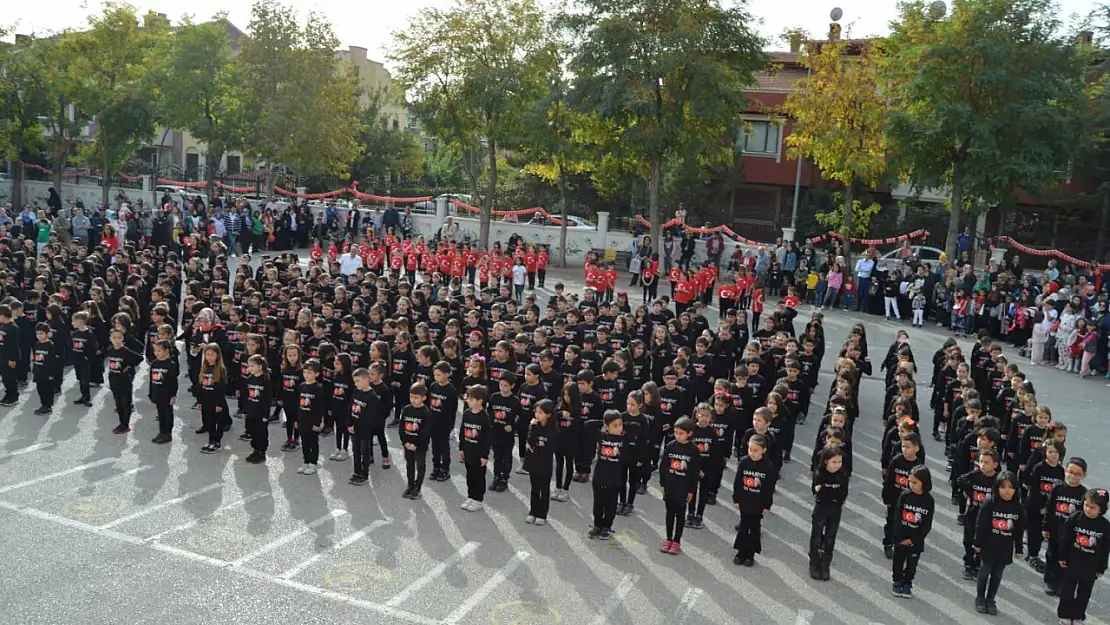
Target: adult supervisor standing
<point x="864" y="268"/>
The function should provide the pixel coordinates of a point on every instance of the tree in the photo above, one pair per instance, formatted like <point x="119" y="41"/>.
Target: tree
<point x="197" y="85"/>
<point x="57" y="59"/>
<point x="22" y="100"/>
<point x="385" y="151"/>
<point x="983" y="102"/>
<point x="670" y="75"/>
<point x="112" y="62"/>
<point x="473" y="71"/>
<point x="302" y="100"/>
<point x="839" y="118"/>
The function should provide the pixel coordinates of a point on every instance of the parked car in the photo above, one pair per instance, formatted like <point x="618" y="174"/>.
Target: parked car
<point x="924" y="253"/>
<point x="573" y="221"/>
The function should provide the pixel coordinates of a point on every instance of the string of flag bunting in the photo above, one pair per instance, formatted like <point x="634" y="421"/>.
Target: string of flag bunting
<point x="909" y="236"/>
<point x="1032" y="251"/>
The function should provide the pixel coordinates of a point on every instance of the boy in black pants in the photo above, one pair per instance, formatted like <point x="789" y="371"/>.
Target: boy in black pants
<point x="121" y="375"/>
<point x="163" y="389"/>
<point x="415" y="431"/>
<point x="83" y="347"/>
<point x="474" y="446"/>
<point x="539" y="461"/>
<point x="9" y="356"/>
<point x="613" y="453"/>
<point x="679" y="470"/>
<point x="365" y="403"/>
<point x="753" y="493"/>
<point x="504" y="408"/>
<point x="44" y="359"/>
<point x="444" y="403"/>
<point x="311" y="402"/>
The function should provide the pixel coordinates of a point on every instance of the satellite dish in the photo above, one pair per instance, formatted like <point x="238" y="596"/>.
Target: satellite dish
<point x="938" y="9"/>
<point x="837" y="13"/>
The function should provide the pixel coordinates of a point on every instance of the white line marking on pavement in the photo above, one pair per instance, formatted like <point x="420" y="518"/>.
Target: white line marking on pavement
<point x="159" y="506"/>
<point x="26" y="450"/>
<point x="479" y="595"/>
<point x="432" y="573"/>
<point x="95" y="483"/>
<point x="686" y="607"/>
<point x="349" y="540"/>
<point x="288" y="538"/>
<point x="615" y="598"/>
<point x="200" y="519"/>
<point x="384" y="610"/>
<point x="46" y="478"/>
<point x="803" y="617"/>
<point x="14" y="438"/>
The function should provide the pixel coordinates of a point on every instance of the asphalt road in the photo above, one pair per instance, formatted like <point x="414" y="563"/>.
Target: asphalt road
<point x="102" y="528"/>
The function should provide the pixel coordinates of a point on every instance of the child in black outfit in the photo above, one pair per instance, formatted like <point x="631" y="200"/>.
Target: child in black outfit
<point x="164" y="372"/>
<point x="539" y="461"/>
<point x="679" y="472"/>
<point x="1083" y="551"/>
<point x="613" y="453"/>
<point x="896" y="481"/>
<point x="1065" y="500"/>
<point x="415" y="431"/>
<point x="999" y="531"/>
<point x="503" y="408"/>
<point x="830" y="488"/>
<point x="311" y="405"/>
<point x="474" y="446"/>
<point x="365" y="404"/>
<point x="753" y="493"/>
<point x="976" y="485"/>
<point x="121" y="374"/>
<point x="257" y="390"/>
<point x="44" y="360"/>
<point x="913" y="517"/>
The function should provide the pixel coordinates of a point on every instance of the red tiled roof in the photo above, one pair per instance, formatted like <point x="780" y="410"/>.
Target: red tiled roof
<point x="780" y="80"/>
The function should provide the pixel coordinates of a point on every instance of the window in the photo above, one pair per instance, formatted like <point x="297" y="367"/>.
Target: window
<point x="233" y="164"/>
<point x="761" y="137"/>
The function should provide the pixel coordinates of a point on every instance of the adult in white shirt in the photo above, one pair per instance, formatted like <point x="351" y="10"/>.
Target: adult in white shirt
<point x="349" y="262"/>
<point x="864" y="268"/>
<point x="519" y="274"/>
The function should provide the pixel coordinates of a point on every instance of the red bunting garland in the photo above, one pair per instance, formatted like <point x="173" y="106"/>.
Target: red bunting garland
<point x="353" y="190"/>
<point x="1025" y="249"/>
<point x="517" y="213"/>
<point x="916" y="234"/>
<point x="72" y="174"/>
<point x="722" y="229"/>
<point x="124" y="176"/>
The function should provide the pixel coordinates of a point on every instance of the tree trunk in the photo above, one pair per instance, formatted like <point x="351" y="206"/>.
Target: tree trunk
<point x="105" y="179"/>
<point x="1100" y="243"/>
<point x="654" y="183"/>
<point x="211" y="164"/>
<point x="487" y="202"/>
<point x="61" y="148"/>
<point x="565" y="210"/>
<point x="951" y="243"/>
<point x="17" y="186"/>
<point x="271" y="177"/>
<point x="846" y="225"/>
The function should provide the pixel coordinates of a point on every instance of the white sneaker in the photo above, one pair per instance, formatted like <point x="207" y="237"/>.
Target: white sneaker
<point x="541" y="521"/>
<point x="301" y="470"/>
<point x="334" y="455"/>
<point x="466" y="504"/>
<point x="529" y="519"/>
<point x="344" y="454"/>
<point x="310" y="469"/>
<point x="475" y="506"/>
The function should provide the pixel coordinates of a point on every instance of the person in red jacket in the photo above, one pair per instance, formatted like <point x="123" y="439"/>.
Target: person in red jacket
<point x="530" y="261"/>
<point x="684" y="292"/>
<point x="726" y="296"/>
<point x="541" y="264"/>
<point x="674" y="276"/>
<point x="471" y="256"/>
<point x="610" y="282"/>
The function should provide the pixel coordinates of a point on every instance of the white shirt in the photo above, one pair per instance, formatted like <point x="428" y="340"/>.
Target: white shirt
<point x="518" y="275"/>
<point x="349" y="264"/>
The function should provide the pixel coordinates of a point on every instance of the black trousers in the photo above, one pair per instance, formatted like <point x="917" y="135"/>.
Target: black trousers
<point x="989" y="579"/>
<point x="379" y="434"/>
<point x="971" y="557"/>
<point x="475" y="482"/>
<point x="1034" y="537"/>
<point x="259" y="430"/>
<point x="96" y="370"/>
<point x="822" y="535"/>
<point x="1053" y="574"/>
<point x="363" y="448"/>
<point x="165" y="417"/>
<point x="605" y="505"/>
<point x="11" y="384"/>
<point x="627" y="492"/>
<point x="416" y="466"/>
<point x="124" y="405"/>
<point x="675" y="521"/>
<point x="83" y="370"/>
<point x="1075" y="594"/>
<point x="541" y="494"/>
<point x="310" y="445"/>
<point x="214" y="422"/>
<point x="502" y="459"/>
<point x="441" y="447"/>
<point x="541" y="274"/>
<point x="45" y="390"/>
<point x="905" y="564"/>
<point x="564" y="469"/>
<point x="584" y="456"/>
<point x="748" y="540"/>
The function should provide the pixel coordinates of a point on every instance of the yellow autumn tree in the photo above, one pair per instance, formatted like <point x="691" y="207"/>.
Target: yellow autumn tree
<point x="838" y="114"/>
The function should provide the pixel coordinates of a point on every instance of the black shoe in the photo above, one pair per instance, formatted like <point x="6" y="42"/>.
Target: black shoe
<point x="937" y="436"/>
<point x="749" y="562"/>
<point x="888" y="551"/>
<point x="825" y="573"/>
<point x="360" y="480"/>
<point x="697" y="523"/>
<point x="689" y="520"/>
<point x="992" y="607"/>
<point x="121" y="429"/>
<point x="7" y="401"/>
<point x="594" y="532"/>
<point x="980" y="605"/>
<point x="43" y="410"/>
<point x="960" y="520"/>
<point x="202" y="430"/>
<point x="641" y="489"/>
<point x="786" y="456"/>
<point x="1050" y="590"/>
<point x="624" y="509"/>
<point x="415" y="494"/>
<point x="737" y="560"/>
<point x="161" y="439"/>
<point x="256" y="458"/>
<point x="245" y="436"/>
<point x="408" y="493"/>
<point x="605" y="533"/>
<point x="968" y="573"/>
<point x="814" y="570"/>
<point x="711" y="500"/>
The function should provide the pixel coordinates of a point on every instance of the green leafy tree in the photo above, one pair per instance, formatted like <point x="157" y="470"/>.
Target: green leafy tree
<point x="839" y="120"/>
<point x="197" y="85"/>
<point x="303" y="101"/>
<point x="57" y="62"/>
<point x="114" y="55"/>
<point x="473" y="72"/>
<point x="22" y="101"/>
<point x="385" y="151"/>
<point x="984" y="101"/>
